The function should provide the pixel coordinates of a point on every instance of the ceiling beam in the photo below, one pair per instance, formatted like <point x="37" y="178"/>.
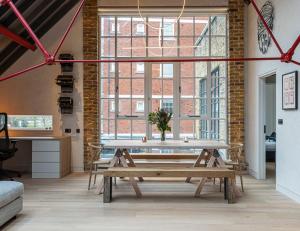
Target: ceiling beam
<point x="16" y="38"/>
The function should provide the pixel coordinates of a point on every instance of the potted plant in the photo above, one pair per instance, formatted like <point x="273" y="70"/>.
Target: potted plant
<point x="161" y="119"/>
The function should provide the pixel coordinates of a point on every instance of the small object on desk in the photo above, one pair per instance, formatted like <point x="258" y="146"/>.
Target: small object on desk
<point x="144" y="139"/>
<point x="186" y="139"/>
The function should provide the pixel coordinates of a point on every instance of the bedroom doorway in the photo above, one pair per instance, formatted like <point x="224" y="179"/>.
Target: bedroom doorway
<point x="268" y="124"/>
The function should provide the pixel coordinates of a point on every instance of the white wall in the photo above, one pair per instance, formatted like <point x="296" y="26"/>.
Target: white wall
<point x="36" y="92"/>
<point x="286" y="29"/>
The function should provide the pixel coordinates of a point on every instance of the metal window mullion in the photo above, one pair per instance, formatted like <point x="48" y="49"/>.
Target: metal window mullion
<point x="117" y="110"/>
<point x="147" y="99"/>
<point x="176" y="100"/>
<point x="208" y="82"/>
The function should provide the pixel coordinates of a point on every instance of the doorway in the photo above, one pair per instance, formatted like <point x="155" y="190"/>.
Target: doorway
<point x="268" y="123"/>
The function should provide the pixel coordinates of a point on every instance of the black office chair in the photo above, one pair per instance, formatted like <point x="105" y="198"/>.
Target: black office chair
<point x="7" y="148"/>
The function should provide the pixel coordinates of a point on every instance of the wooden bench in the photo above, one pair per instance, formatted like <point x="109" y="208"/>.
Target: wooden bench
<point x="167" y="156"/>
<point x="228" y="175"/>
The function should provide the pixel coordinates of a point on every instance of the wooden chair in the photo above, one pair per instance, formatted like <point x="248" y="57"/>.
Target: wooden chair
<point x="236" y="161"/>
<point x="97" y="165"/>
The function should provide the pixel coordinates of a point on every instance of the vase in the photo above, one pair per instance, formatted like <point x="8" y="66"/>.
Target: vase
<point x="163" y="136"/>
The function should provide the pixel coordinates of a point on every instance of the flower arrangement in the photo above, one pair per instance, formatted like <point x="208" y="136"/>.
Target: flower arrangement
<point x="161" y="119"/>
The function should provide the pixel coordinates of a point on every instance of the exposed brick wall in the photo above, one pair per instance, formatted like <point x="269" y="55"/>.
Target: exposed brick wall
<point x="236" y="101"/>
<point x="90" y="78"/>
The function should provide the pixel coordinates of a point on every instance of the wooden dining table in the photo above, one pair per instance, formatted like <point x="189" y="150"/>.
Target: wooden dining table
<point x="208" y="148"/>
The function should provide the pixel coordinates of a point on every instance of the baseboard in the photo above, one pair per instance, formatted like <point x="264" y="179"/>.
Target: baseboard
<point x="293" y="195"/>
<point x="77" y="169"/>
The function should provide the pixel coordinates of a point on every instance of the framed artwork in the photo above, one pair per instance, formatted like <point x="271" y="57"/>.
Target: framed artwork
<point x="290" y="91"/>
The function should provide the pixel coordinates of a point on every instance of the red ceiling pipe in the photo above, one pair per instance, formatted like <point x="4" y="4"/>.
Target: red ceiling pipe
<point x="69" y="27"/>
<point x="16" y="38"/>
<point x="47" y="56"/>
<point x="289" y="55"/>
<point x="267" y="27"/>
<point x="22" y="72"/>
<point x="169" y="60"/>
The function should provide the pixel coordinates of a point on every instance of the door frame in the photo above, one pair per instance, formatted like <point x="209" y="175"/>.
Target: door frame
<point x="262" y="123"/>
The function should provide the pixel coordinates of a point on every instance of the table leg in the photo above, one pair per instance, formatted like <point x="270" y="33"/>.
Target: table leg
<point x="200" y="186"/>
<point x="226" y="188"/>
<point x="131" y="162"/>
<point x="107" y="194"/>
<point x="131" y="179"/>
<point x="197" y="163"/>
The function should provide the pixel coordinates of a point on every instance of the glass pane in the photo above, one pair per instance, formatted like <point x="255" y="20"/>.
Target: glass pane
<point x="107" y="109"/>
<point x="138" y="107"/>
<point x="187" y="46"/>
<point x="201" y="107"/>
<point x="201" y="89"/>
<point x="218" y="108"/>
<point x="167" y="105"/>
<point x="125" y="70"/>
<point x="202" y="48"/>
<point x="187" y="87"/>
<point x="203" y="129"/>
<point x="154" y="22"/>
<point x="201" y="26"/>
<point x="138" y="47"/>
<point x="187" y="129"/>
<point x="167" y="70"/>
<point x="107" y="129"/>
<point x="201" y="69"/>
<point x="107" y="88"/>
<point x="170" y="46"/>
<point x="124" y="26"/>
<point x="125" y="88"/>
<point x="124" y="107"/>
<point x="107" y="70"/>
<point x="108" y="47"/>
<point x="187" y="107"/>
<point x="156" y="104"/>
<point x="218" y="46"/>
<point x="218" y="87"/>
<point x="218" y="25"/>
<point x="138" y="70"/>
<point x="155" y="47"/>
<point x="187" y="69"/>
<point x="138" y="27"/>
<point x="187" y="26"/>
<point x="124" y="47"/>
<point x="138" y="90"/>
<point x="138" y="129"/>
<point x="107" y="26"/>
<point x="169" y="27"/>
<point x="218" y="69"/>
<point x="168" y="88"/>
<point x="157" y="88"/>
<point x="123" y="129"/>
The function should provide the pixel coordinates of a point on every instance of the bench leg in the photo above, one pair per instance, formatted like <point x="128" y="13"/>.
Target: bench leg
<point x="107" y="194"/>
<point x="131" y="162"/>
<point x="200" y="186"/>
<point x="229" y="190"/>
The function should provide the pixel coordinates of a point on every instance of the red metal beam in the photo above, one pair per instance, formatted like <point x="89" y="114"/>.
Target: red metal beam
<point x="22" y="71"/>
<point x="16" y="38"/>
<point x="28" y="28"/>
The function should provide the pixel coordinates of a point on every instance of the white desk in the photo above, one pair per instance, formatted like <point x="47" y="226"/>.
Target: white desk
<point x="51" y="156"/>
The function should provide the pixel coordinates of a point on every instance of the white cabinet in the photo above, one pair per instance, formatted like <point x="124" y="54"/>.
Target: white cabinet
<point x="51" y="158"/>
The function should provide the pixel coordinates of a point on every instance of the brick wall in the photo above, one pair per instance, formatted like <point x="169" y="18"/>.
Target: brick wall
<point x="90" y="78"/>
<point x="236" y="101"/>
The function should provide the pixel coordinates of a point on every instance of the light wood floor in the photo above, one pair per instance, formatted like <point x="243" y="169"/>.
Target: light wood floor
<point x="66" y="204"/>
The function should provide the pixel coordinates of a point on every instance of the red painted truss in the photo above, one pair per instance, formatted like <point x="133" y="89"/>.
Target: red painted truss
<point x="50" y="59"/>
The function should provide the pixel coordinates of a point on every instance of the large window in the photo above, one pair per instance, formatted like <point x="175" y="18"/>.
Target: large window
<point x="30" y="122"/>
<point x="196" y="92"/>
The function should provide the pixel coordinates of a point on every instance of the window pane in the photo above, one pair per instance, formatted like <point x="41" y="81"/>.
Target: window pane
<point x="221" y="67"/>
<point x="187" y="87"/>
<point x="201" y="26"/>
<point x="167" y="70"/>
<point x="124" y="23"/>
<point x="125" y="88"/>
<point x="107" y="88"/>
<point x="108" y="47"/>
<point x="218" y="46"/>
<point x="168" y="87"/>
<point x="30" y="122"/>
<point x="124" y="107"/>
<point x="138" y="70"/>
<point x="155" y="47"/>
<point x="138" y="90"/>
<point x="154" y="22"/>
<point x="107" y="129"/>
<point x="107" y="23"/>
<point x="203" y="129"/>
<point x="157" y="88"/>
<point x="108" y="109"/>
<point x="187" y="26"/>
<point x="218" y="88"/>
<point x="138" y="27"/>
<point x="202" y="48"/>
<point x="107" y="70"/>
<point x="124" y="47"/>
<point x="124" y="70"/>
<point x="201" y="69"/>
<point x="187" y="107"/>
<point x="187" y="46"/>
<point x="187" y="69"/>
<point x="138" y="129"/>
<point x="167" y="105"/>
<point x="124" y="129"/>
<point x="138" y="47"/>
<point x="187" y="129"/>
<point x="170" y="46"/>
<point x="218" y="25"/>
